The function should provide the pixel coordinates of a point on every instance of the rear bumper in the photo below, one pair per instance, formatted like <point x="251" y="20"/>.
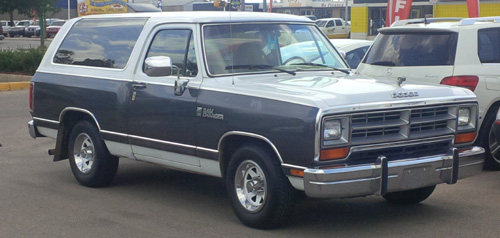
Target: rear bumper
<point x="33" y="130"/>
<point x="383" y="176"/>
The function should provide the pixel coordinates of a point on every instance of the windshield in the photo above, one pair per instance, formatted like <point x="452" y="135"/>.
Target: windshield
<point x="321" y="23"/>
<point x="251" y="48"/>
<point x="416" y="49"/>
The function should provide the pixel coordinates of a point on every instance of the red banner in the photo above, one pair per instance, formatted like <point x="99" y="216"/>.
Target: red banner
<point x="397" y="10"/>
<point x="473" y="8"/>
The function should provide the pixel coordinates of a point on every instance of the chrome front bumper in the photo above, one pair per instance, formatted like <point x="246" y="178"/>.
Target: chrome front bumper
<point x="392" y="176"/>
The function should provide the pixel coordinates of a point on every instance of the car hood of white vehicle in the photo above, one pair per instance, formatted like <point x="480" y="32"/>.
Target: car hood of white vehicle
<point x="328" y="91"/>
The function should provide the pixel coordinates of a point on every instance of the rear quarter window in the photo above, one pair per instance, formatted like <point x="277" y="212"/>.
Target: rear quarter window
<point x="489" y="45"/>
<point x="413" y="49"/>
<point x="105" y="43"/>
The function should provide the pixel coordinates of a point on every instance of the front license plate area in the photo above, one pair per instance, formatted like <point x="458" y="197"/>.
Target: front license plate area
<point x="416" y="177"/>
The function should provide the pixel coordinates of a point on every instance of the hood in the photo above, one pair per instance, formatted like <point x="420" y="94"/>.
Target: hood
<point x="329" y="91"/>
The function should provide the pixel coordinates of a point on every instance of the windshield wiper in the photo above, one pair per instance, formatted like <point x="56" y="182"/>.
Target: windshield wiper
<point x="259" y="66"/>
<point x="384" y="63"/>
<point x="345" y="71"/>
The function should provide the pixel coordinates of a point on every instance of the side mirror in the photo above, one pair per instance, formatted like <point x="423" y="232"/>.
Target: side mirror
<point x="158" y="66"/>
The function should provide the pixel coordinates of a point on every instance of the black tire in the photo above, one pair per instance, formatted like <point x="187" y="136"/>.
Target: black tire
<point x="90" y="161"/>
<point x="410" y="196"/>
<point x="487" y="140"/>
<point x="266" y="191"/>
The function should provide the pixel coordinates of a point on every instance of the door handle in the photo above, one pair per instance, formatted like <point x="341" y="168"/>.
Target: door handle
<point x="138" y="86"/>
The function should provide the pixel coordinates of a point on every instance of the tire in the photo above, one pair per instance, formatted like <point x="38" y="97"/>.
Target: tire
<point x="410" y="196"/>
<point x="488" y="141"/>
<point x="260" y="194"/>
<point x="90" y="161"/>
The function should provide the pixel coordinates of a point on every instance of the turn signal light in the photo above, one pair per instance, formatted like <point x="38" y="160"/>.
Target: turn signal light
<point x="465" y="138"/>
<point x="469" y="82"/>
<point x="332" y="154"/>
<point x="297" y="172"/>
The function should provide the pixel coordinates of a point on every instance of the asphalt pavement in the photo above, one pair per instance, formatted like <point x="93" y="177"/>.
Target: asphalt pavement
<point x="40" y="198"/>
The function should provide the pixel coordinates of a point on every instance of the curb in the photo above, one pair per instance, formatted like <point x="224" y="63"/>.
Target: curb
<point x="12" y="82"/>
<point x="14" y="86"/>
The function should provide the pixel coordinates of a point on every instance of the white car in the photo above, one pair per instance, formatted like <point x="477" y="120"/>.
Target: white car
<point x="457" y="52"/>
<point x="334" y="27"/>
<point x="352" y="50"/>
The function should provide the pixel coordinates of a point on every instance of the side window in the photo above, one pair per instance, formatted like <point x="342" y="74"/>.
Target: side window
<point x="330" y="24"/>
<point x="489" y="45"/>
<point x="179" y="46"/>
<point x="338" y="22"/>
<point x="100" y="42"/>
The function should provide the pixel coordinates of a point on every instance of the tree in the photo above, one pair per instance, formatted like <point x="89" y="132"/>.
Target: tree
<point x="41" y="7"/>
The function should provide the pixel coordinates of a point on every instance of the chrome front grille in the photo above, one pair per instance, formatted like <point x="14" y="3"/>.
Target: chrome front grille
<point x="397" y="125"/>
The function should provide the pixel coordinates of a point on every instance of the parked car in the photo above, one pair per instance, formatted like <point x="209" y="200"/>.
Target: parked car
<point x="210" y="93"/>
<point x="20" y="28"/>
<point x="334" y="27"/>
<point x="353" y="50"/>
<point x="5" y="28"/>
<point x="54" y="27"/>
<point x="312" y="17"/>
<point x="463" y="52"/>
<point x="33" y="30"/>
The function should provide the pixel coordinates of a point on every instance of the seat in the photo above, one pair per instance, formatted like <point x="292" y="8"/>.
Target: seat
<point x="249" y="53"/>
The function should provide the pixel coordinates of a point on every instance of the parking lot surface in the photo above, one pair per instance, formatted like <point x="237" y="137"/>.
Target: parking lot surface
<point x="40" y="198"/>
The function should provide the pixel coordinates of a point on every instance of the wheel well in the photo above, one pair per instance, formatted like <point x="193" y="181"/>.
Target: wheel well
<point x="68" y="120"/>
<point x="231" y="144"/>
<point x="492" y="110"/>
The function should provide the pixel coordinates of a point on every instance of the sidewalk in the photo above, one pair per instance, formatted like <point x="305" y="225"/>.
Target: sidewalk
<point x="11" y="82"/>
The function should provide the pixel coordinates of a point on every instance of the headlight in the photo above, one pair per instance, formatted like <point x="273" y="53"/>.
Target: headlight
<point x="467" y="118"/>
<point x="335" y="131"/>
<point x="332" y="130"/>
<point x="464" y="116"/>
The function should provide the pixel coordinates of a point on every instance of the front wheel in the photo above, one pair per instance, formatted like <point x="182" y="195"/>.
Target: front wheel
<point x="90" y="161"/>
<point x="260" y="194"/>
<point x="410" y="196"/>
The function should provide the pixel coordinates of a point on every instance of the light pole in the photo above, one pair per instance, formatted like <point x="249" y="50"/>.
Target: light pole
<point x="69" y="11"/>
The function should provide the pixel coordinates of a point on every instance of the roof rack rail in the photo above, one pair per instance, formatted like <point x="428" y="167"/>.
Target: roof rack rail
<point x="424" y="20"/>
<point x="471" y="21"/>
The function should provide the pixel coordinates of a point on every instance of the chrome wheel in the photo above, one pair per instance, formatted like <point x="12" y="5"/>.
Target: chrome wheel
<point x="250" y="185"/>
<point x="84" y="153"/>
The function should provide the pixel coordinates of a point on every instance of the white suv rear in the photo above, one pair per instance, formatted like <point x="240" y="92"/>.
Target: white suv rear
<point x="458" y="52"/>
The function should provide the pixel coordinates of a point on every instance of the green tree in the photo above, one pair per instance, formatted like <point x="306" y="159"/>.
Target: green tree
<point x="41" y="7"/>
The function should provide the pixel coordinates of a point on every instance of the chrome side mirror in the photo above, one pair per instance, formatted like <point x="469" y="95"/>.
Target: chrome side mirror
<point x="158" y="66"/>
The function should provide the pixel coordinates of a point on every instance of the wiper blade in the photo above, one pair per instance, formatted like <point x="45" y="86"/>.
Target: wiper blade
<point x="384" y="63"/>
<point x="259" y="66"/>
<point x="345" y="71"/>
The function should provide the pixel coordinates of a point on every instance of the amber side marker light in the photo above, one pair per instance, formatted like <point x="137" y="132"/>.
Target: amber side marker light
<point x="332" y="154"/>
<point x="464" y="138"/>
<point x="297" y="172"/>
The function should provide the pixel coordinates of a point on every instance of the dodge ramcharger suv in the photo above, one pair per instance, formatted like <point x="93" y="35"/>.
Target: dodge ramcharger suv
<point x="260" y="100"/>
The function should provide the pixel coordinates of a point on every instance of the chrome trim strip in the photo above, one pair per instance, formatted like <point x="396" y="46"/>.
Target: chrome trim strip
<point x="79" y="110"/>
<point x="293" y="166"/>
<point x="207" y="150"/>
<point x="352" y="180"/>
<point x="241" y="133"/>
<point x="163" y="142"/>
<point x="113" y="133"/>
<point x="45" y="120"/>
